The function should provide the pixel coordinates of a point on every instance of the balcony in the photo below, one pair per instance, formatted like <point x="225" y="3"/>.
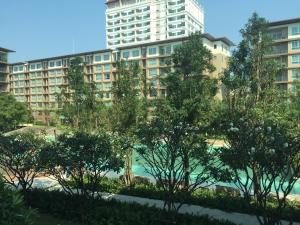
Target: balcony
<point x="278" y="34"/>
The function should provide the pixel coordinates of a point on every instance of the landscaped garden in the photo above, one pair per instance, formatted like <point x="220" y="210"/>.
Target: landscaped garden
<point x="258" y="123"/>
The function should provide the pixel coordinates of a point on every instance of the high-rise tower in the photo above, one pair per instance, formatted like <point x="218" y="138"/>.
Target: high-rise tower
<point x="131" y="22"/>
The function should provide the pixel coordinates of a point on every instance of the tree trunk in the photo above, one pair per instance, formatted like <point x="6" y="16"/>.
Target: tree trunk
<point x="186" y="168"/>
<point x="128" y="176"/>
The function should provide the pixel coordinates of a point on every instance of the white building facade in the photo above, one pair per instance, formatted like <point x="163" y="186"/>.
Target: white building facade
<point x="130" y="22"/>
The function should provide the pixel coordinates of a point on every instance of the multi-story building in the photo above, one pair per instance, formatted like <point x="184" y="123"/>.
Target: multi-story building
<point x="37" y="82"/>
<point x="4" y="77"/>
<point x="286" y="49"/>
<point x="141" y="21"/>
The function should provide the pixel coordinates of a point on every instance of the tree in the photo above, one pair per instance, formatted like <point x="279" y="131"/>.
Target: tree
<point x="12" y="113"/>
<point x="126" y="110"/>
<point x="262" y="137"/>
<point x="20" y="159"/>
<point x="12" y="208"/>
<point x="79" y="103"/>
<point x="173" y="144"/>
<point x="79" y="161"/>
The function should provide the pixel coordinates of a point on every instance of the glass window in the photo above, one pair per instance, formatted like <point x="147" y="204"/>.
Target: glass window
<point x="152" y="51"/>
<point x="106" y="67"/>
<point x="39" y="82"/>
<point x="126" y="54"/>
<point x="107" y="76"/>
<point x="39" y="98"/>
<point x="52" y="80"/>
<point x="97" y="58"/>
<point x="33" y="90"/>
<point x="21" y="68"/>
<point x="32" y="82"/>
<point x="136" y="53"/>
<point x="296" y="44"/>
<point x="16" y="68"/>
<point x="59" y="80"/>
<point x="16" y="83"/>
<point x="295" y="59"/>
<point x="58" y="63"/>
<point x="98" y="68"/>
<point x="51" y="64"/>
<point x="21" y="83"/>
<point x="151" y="62"/>
<point x="21" y="76"/>
<point x="38" y="66"/>
<point x="59" y="72"/>
<point x="32" y="66"/>
<point x="106" y="57"/>
<point x="153" y="72"/>
<point x="296" y="29"/>
<point x="52" y="89"/>
<point x="98" y="76"/>
<point x="295" y="74"/>
<point x="52" y="72"/>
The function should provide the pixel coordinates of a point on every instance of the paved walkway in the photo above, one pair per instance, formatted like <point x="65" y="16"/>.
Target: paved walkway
<point x="237" y="218"/>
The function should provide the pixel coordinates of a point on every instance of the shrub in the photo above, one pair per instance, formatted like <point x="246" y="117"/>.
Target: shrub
<point x="12" y="208"/>
<point x="100" y="212"/>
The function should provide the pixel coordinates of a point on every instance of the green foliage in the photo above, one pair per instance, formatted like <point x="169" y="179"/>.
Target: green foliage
<point x="100" y="212"/>
<point x="12" y="113"/>
<point x="20" y="159"/>
<point x="173" y="144"/>
<point x="262" y="132"/>
<point x="127" y="109"/>
<point x="83" y="159"/>
<point x="80" y="105"/>
<point x="12" y="208"/>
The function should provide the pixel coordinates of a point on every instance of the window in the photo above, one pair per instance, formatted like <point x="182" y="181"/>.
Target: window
<point x="295" y="45"/>
<point x="98" y="68"/>
<point x="97" y="58"/>
<point x="107" y="76"/>
<point x="32" y="82"/>
<point x="106" y="57"/>
<point x="151" y="62"/>
<point x="33" y="90"/>
<point x="136" y="53"/>
<point x="152" y="72"/>
<point x="21" y="68"/>
<point x="59" y="80"/>
<point x="52" y="72"/>
<point x="39" y="82"/>
<point x="38" y="66"/>
<point x="52" y="89"/>
<point x="21" y="76"/>
<point x="51" y="64"/>
<point x="32" y="66"/>
<point x="52" y="80"/>
<point x="126" y="54"/>
<point x="295" y="74"/>
<point x="295" y="59"/>
<point x="16" y="83"/>
<point x="106" y="67"/>
<point x="296" y="29"/>
<point x="107" y="86"/>
<point x="58" y="63"/>
<point x="59" y="72"/>
<point x="98" y="76"/>
<point x="106" y="95"/>
<point x="152" y="51"/>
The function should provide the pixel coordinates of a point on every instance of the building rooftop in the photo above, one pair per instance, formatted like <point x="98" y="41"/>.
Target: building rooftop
<point x="205" y="35"/>
<point x="284" y="22"/>
<point x="5" y="50"/>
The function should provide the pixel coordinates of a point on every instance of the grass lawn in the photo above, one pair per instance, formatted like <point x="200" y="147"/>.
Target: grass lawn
<point x="44" y="219"/>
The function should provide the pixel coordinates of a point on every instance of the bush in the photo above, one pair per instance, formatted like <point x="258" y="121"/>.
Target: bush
<point x="203" y="197"/>
<point x="100" y="212"/>
<point x="12" y="208"/>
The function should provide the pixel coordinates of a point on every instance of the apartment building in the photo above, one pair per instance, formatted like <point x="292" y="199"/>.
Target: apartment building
<point x="140" y="21"/>
<point x="286" y="49"/>
<point x="4" y="72"/>
<point x="37" y="82"/>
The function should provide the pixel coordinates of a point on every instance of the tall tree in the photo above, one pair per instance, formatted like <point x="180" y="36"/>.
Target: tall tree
<point x="261" y="135"/>
<point x="173" y="143"/>
<point x="126" y="109"/>
<point x="12" y="113"/>
<point x="79" y="103"/>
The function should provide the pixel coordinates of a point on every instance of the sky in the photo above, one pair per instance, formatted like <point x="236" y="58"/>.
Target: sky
<point x="45" y="28"/>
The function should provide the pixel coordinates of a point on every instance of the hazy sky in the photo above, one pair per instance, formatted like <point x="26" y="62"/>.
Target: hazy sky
<point x="44" y="28"/>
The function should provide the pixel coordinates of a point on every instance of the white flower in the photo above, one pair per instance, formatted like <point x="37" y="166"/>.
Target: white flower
<point x="272" y="138"/>
<point x="252" y="149"/>
<point x="285" y="145"/>
<point x="269" y="129"/>
<point x="231" y="124"/>
<point x="272" y="150"/>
